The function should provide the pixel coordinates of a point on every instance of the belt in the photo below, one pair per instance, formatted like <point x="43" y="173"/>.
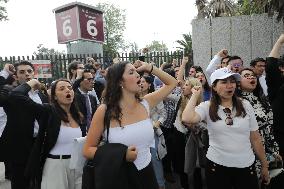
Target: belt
<point x="59" y="156"/>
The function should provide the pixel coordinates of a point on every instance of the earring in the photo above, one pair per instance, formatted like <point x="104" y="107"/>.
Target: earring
<point x="122" y="87"/>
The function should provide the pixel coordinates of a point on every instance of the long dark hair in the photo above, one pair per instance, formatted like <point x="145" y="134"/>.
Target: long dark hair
<point x="113" y="91"/>
<point x="76" y="115"/>
<point x="150" y="81"/>
<point x="258" y="92"/>
<point x="215" y="101"/>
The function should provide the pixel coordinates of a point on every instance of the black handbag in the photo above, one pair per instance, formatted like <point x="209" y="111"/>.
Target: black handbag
<point x="88" y="177"/>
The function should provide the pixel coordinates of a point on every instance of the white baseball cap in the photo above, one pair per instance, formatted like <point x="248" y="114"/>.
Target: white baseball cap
<point x="223" y="73"/>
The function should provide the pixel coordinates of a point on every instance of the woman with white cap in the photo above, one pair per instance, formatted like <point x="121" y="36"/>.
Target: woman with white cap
<point x="233" y="134"/>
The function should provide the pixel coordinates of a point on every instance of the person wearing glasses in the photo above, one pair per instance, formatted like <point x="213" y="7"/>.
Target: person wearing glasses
<point x="251" y="90"/>
<point x="258" y="67"/>
<point x="233" y="134"/>
<point x="87" y="103"/>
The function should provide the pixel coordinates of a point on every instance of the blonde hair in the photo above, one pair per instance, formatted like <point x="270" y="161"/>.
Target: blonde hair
<point x="184" y="99"/>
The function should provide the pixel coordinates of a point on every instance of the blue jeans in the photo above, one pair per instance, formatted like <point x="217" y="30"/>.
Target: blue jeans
<point x="157" y="165"/>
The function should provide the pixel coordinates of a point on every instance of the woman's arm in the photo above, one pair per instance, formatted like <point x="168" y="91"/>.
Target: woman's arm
<point x="189" y="115"/>
<point x="95" y="132"/>
<point x="180" y="77"/>
<point x="213" y="65"/>
<point x="258" y="148"/>
<point x="275" y="52"/>
<point x="273" y="74"/>
<point x="169" y="84"/>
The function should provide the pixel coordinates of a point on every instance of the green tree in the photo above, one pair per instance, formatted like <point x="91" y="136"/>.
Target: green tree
<point x="185" y="43"/>
<point x="247" y="7"/>
<point x="133" y="47"/>
<point x="114" y="26"/>
<point x="3" y="11"/>
<point x="219" y="8"/>
<point x="202" y="8"/>
<point x="43" y="51"/>
<point x="157" y="46"/>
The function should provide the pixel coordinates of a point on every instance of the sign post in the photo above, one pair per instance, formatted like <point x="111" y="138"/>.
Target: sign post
<point x="78" y="21"/>
<point x="81" y="27"/>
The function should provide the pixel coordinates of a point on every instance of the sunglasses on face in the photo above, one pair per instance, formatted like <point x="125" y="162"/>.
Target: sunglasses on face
<point x="237" y="65"/>
<point x="249" y="76"/>
<point x="229" y="119"/>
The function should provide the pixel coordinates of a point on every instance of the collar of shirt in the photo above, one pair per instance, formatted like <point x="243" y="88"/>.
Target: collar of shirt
<point x="32" y="93"/>
<point x="83" y="93"/>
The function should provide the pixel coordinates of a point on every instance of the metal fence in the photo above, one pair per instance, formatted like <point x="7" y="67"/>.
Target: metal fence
<point x="59" y="63"/>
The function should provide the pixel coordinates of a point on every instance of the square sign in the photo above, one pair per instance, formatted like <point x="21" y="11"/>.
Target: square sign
<point x="78" y="21"/>
<point x="91" y="24"/>
<point x="42" y="68"/>
<point x="67" y="26"/>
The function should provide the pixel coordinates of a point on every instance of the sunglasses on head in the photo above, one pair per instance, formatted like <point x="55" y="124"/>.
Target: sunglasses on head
<point x="229" y="119"/>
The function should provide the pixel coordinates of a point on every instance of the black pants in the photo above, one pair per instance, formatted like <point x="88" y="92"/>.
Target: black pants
<point x="222" y="177"/>
<point x="18" y="181"/>
<point x="179" y="142"/>
<point x="167" y="160"/>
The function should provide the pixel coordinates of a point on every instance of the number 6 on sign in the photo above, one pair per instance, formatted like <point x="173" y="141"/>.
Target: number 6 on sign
<point x="67" y="30"/>
<point x="91" y="28"/>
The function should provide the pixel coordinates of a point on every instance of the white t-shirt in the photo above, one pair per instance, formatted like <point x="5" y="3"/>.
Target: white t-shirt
<point x="229" y="145"/>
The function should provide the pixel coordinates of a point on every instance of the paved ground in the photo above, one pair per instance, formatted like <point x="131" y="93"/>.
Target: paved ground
<point x="4" y="184"/>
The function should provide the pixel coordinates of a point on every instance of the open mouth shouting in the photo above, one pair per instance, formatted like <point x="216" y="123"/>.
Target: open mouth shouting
<point x="68" y="96"/>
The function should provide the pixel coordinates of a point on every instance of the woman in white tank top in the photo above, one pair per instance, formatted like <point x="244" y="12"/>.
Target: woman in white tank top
<point x="129" y="116"/>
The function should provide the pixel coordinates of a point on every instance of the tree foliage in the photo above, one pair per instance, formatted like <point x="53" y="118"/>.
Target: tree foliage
<point x="247" y="7"/>
<point x="217" y="8"/>
<point x="157" y="46"/>
<point x="3" y="11"/>
<point x="133" y="47"/>
<point x="114" y="26"/>
<point x="185" y="43"/>
<point x="202" y="8"/>
<point x="43" y="51"/>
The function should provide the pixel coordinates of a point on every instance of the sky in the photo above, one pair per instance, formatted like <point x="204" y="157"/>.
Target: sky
<point x="32" y="22"/>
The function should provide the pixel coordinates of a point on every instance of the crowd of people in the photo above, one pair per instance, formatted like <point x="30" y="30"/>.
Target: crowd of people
<point x="144" y="125"/>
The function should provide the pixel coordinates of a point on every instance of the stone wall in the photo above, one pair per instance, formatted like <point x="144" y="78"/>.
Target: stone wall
<point x="246" y="36"/>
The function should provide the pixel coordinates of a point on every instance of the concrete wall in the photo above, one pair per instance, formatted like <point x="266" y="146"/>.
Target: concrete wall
<point x="246" y="36"/>
<point x="84" y="47"/>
